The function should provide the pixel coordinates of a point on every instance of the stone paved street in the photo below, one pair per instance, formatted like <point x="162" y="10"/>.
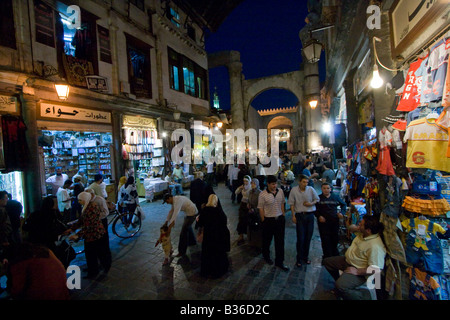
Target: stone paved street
<point x="137" y="272"/>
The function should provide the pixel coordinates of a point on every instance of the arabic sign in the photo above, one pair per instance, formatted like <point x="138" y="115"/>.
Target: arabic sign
<point x="53" y="111"/>
<point x="8" y="104"/>
<point x="170" y="125"/>
<point x="410" y="18"/>
<point x="97" y="83"/>
<point x="133" y="121"/>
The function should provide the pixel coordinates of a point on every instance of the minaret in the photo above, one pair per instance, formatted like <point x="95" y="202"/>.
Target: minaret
<point x="216" y="99"/>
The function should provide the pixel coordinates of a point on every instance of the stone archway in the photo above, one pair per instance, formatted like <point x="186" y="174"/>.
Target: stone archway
<point x="291" y="81"/>
<point x="285" y="125"/>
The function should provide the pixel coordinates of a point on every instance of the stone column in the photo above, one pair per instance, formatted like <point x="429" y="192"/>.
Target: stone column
<point x="236" y="97"/>
<point x="353" y="127"/>
<point x="313" y="117"/>
<point x="32" y="179"/>
<point x="119" y="167"/>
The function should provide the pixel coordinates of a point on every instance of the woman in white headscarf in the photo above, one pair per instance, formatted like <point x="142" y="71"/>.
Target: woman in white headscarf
<point x="254" y="220"/>
<point x="212" y="223"/>
<point x="243" y="209"/>
<point x="93" y="233"/>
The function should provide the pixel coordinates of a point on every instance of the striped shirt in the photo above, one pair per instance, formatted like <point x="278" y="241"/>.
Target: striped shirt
<point x="271" y="203"/>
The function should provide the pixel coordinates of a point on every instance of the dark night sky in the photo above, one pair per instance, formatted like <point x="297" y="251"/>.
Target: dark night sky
<point x="265" y="32"/>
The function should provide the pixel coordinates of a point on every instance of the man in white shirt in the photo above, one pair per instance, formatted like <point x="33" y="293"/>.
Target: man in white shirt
<point x="64" y="200"/>
<point x="175" y="188"/>
<point x="302" y="200"/>
<point x="57" y="180"/>
<point x="271" y="209"/>
<point x="99" y="186"/>
<point x="182" y="203"/>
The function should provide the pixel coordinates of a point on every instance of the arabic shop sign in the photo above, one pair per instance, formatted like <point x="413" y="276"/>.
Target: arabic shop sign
<point x="54" y="111"/>
<point x="8" y="104"/>
<point x="410" y="18"/>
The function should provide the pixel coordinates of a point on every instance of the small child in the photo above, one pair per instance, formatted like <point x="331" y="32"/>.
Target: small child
<point x="164" y="239"/>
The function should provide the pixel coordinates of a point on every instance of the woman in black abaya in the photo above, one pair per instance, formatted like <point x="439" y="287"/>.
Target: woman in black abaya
<point x="216" y="239"/>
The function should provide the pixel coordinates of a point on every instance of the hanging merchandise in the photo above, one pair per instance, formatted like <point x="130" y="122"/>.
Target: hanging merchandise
<point x="422" y="286"/>
<point x="410" y="99"/>
<point x="384" y="160"/>
<point x="422" y="247"/>
<point x="446" y="95"/>
<point x="15" y="147"/>
<point x="427" y="145"/>
<point x="434" y="72"/>
<point x="394" y="246"/>
<point x="393" y="196"/>
<point x="444" y="123"/>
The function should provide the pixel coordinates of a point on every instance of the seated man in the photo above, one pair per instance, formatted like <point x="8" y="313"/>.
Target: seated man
<point x="175" y="188"/>
<point x="178" y="174"/>
<point x="367" y="250"/>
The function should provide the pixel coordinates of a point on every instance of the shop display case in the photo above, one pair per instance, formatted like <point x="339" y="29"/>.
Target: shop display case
<point x="75" y="150"/>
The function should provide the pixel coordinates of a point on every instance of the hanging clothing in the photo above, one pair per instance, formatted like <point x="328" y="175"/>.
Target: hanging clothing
<point x="429" y="207"/>
<point x="384" y="160"/>
<point x="444" y="123"/>
<point x="82" y="41"/>
<point x="15" y="147"/>
<point x="422" y="285"/>
<point x="446" y="95"/>
<point x="422" y="247"/>
<point x="427" y="145"/>
<point x="434" y="72"/>
<point x="393" y="243"/>
<point x="410" y="99"/>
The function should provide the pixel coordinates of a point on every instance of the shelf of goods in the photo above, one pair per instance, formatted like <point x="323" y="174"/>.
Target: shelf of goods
<point x="93" y="159"/>
<point x="144" y="147"/>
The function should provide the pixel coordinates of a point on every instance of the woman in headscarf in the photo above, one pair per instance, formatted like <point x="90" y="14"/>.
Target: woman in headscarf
<point x="243" y="209"/>
<point x="216" y="239"/>
<point x="129" y="198"/>
<point x="254" y="220"/>
<point x="93" y="233"/>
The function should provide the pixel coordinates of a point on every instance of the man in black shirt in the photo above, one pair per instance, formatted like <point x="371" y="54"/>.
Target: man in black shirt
<point x="328" y="220"/>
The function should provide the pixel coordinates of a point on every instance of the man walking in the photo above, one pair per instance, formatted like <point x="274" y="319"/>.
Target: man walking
<point x="367" y="250"/>
<point x="302" y="200"/>
<point x="182" y="203"/>
<point x="328" y="220"/>
<point x="271" y="208"/>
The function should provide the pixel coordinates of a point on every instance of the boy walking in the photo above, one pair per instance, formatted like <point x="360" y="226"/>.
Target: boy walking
<point x="328" y="220"/>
